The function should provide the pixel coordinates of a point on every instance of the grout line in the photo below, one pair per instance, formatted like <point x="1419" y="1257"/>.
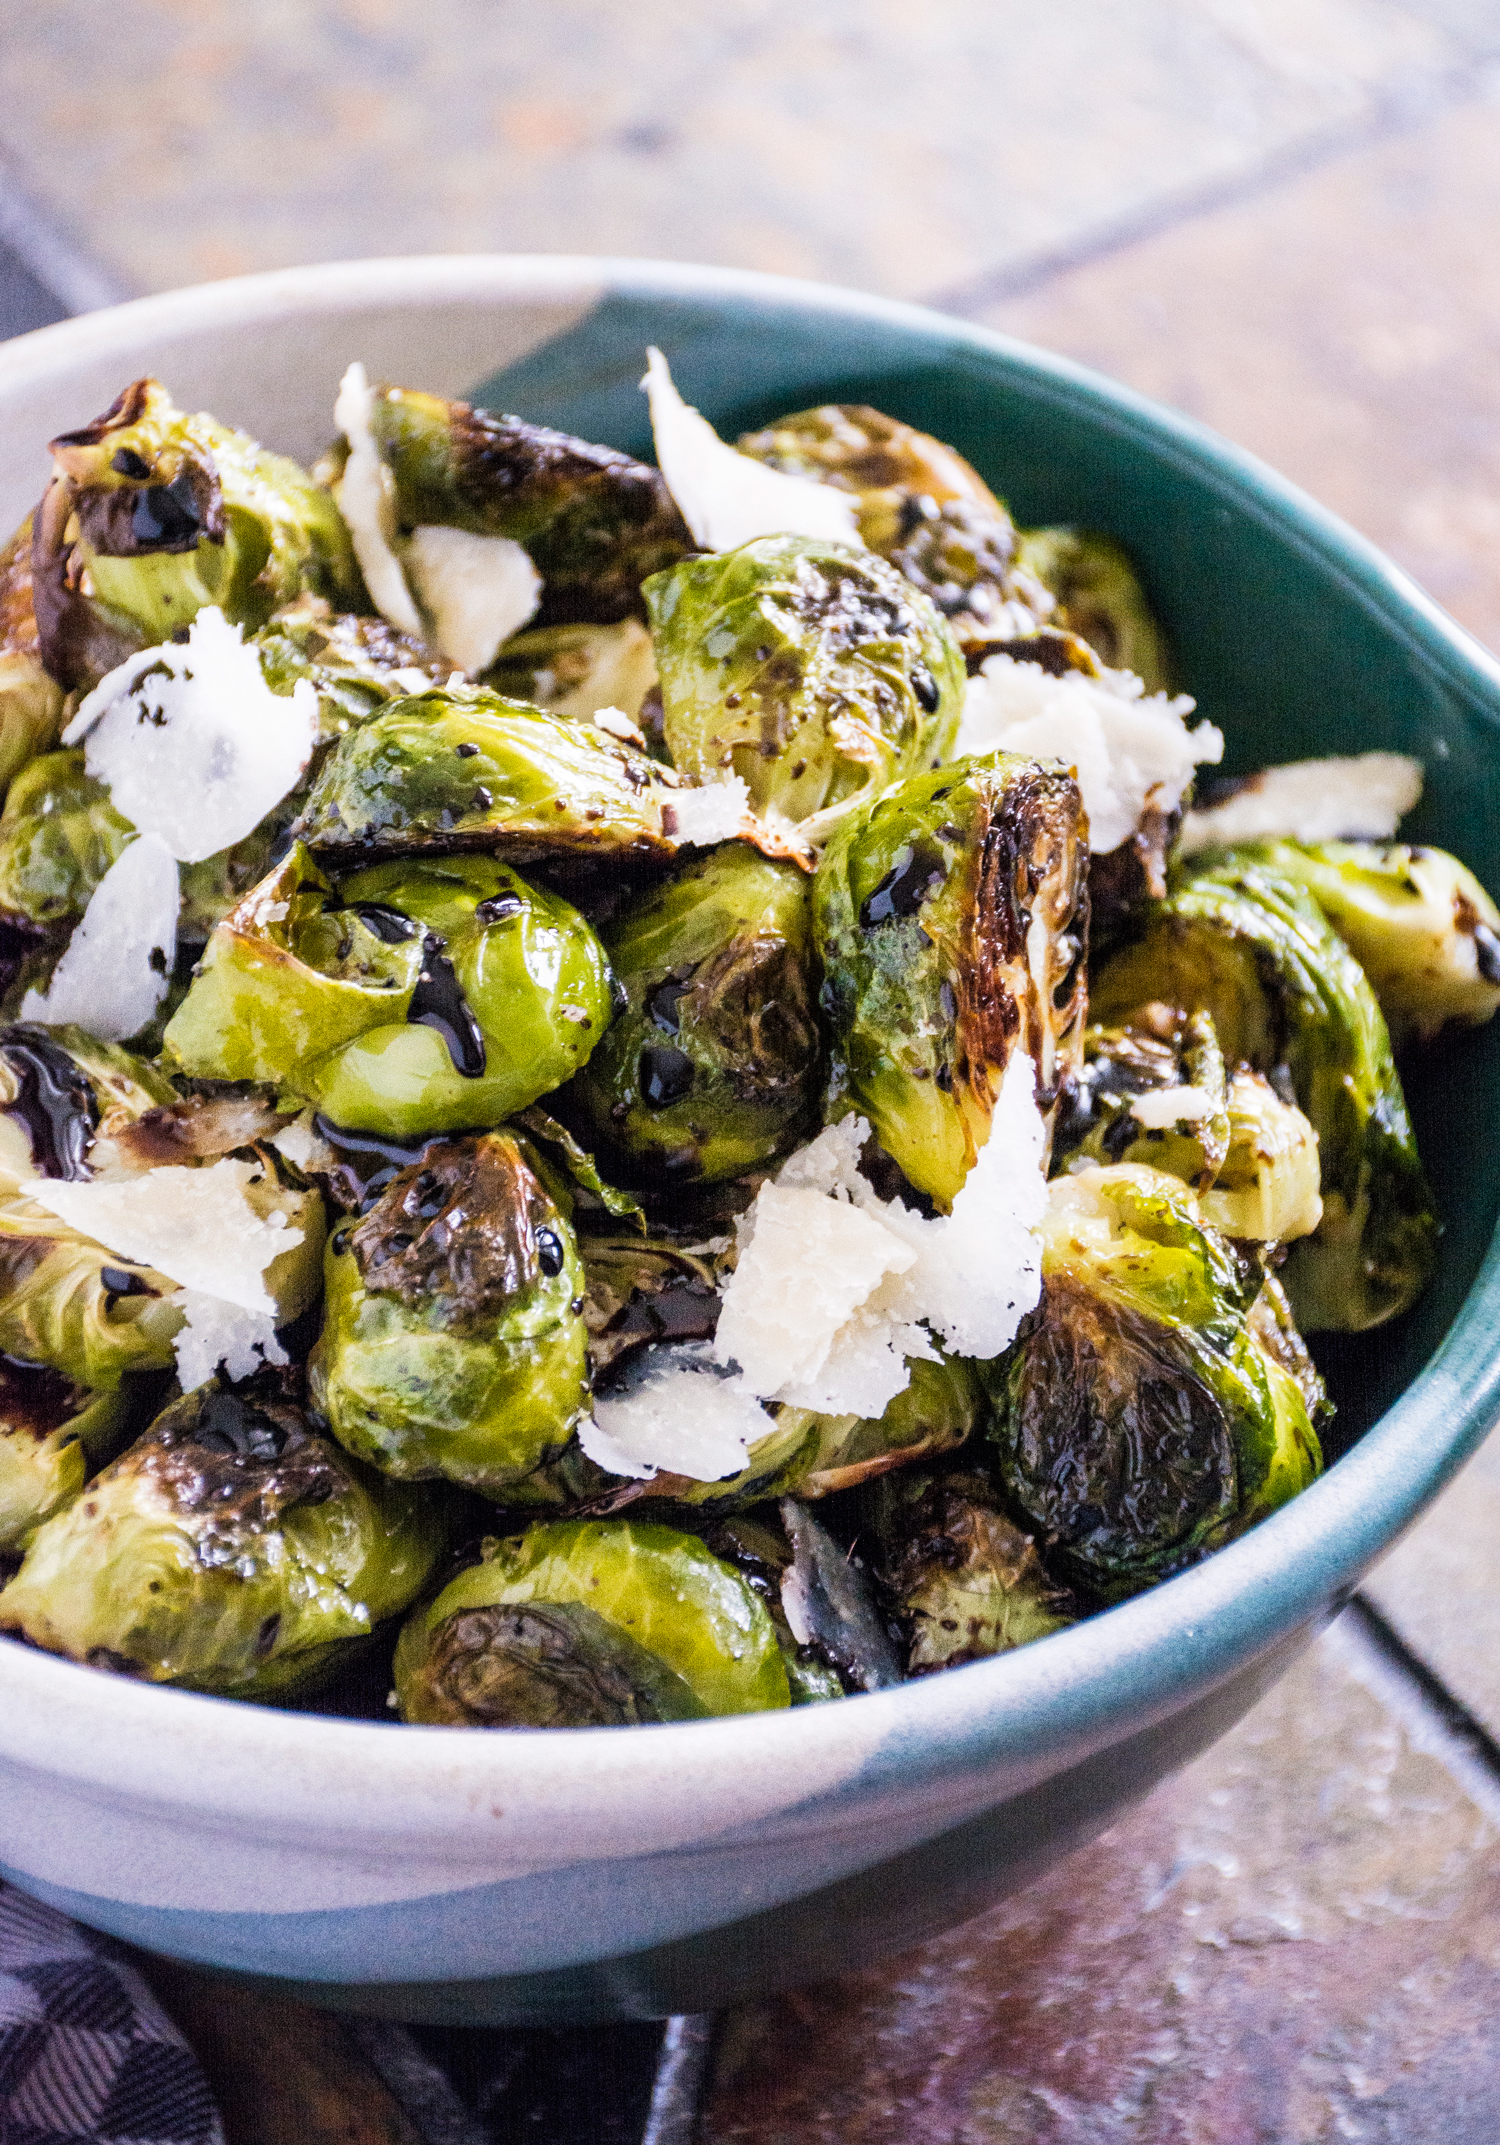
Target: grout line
<point x="53" y="258"/>
<point x="681" y="2075"/>
<point x="1436" y="1722"/>
<point x="1392" y="112"/>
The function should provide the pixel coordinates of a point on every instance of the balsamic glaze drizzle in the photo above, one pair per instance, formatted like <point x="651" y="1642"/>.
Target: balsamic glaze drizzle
<point x="439" y="1002"/>
<point x="55" y="1102"/>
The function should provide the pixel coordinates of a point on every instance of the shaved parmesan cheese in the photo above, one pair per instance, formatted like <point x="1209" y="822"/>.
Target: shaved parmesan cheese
<point x="716" y="812"/>
<point x="366" y="497"/>
<point x="196" y="1226"/>
<point x="1127" y="750"/>
<point x="685" y="1419"/>
<point x="303" y="1145"/>
<point x="614" y="722"/>
<point x="114" y="972"/>
<point x="218" y="1333"/>
<point x="725" y="498"/>
<point x="1164" y="1106"/>
<point x="1358" y="799"/>
<point x="477" y="590"/>
<point x="192" y="742"/>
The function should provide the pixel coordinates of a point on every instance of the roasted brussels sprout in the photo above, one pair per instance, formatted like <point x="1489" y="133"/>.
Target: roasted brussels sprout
<point x="1250" y="946"/>
<point x="1099" y="598"/>
<point x="464" y="769"/>
<point x="59" y="834"/>
<point x="577" y="670"/>
<point x="453" y="1339"/>
<point x="810" y="669"/>
<point x="229" y="1549"/>
<point x="1418" y="922"/>
<point x="355" y="664"/>
<point x="152" y="514"/>
<point x="641" y="1291"/>
<point x="62" y="1092"/>
<point x="68" y="1303"/>
<point x="1119" y="1106"/>
<point x="1267" y="1188"/>
<point x="52" y="1435"/>
<point x="1139" y="1421"/>
<point x="712" y="1064"/>
<point x="963" y="1580"/>
<point x="591" y="1623"/>
<point x="415" y="998"/>
<point x="31" y="703"/>
<point x="951" y="919"/>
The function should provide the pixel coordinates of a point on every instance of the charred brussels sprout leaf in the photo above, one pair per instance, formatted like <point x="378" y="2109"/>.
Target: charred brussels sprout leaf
<point x="591" y="1624"/>
<point x="67" y="1302"/>
<point x="1250" y="946"/>
<point x="811" y="669"/>
<point x="577" y="670"/>
<point x="642" y="1291"/>
<point x="453" y="1340"/>
<point x="355" y="664"/>
<point x="31" y="703"/>
<point x="1139" y="1422"/>
<point x="59" y="834"/>
<point x="415" y="998"/>
<point x="153" y="514"/>
<point x="1099" y="599"/>
<point x="1163" y="1058"/>
<point x="594" y="522"/>
<point x="230" y="1549"/>
<point x="52" y="1435"/>
<point x="964" y="1581"/>
<point x="712" y="1065"/>
<point x="62" y="1092"/>
<point x="464" y="769"/>
<point x="951" y="919"/>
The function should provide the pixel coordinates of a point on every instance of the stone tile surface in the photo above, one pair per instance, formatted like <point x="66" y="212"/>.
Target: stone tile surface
<point x="1346" y="326"/>
<point x="1296" y="1940"/>
<point x="893" y="147"/>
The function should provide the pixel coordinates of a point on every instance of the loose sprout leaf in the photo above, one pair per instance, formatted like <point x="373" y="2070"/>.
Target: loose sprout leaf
<point x="1129" y="750"/>
<point x="725" y="498"/>
<point x="702" y="817"/>
<point x="114" y="972"/>
<point x="217" y="1333"/>
<point x="192" y="742"/>
<point x="685" y="1418"/>
<point x="366" y="498"/>
<point x="194" y="1225"/>
<point x="1361" y="798"/>
<point x="477" y="590"/>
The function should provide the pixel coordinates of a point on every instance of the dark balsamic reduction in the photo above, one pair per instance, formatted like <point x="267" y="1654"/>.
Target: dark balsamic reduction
<point x="925" y="687"/>
<point x="915" y="876"/>
<point x="498" y="908"/>
<point x="664" y="1000"/>
<point x="666" y="1075"/>
<point x="55" y="1102"/>
<point x="439" y="1002"/>
<point x="228" y="1424"/>
<point x="165" y="517"/>
<point x="549" y="1252"/>
<point x="388" y="925"/>
<point x="365" y="1163"/>
<point x="125" y="462"/>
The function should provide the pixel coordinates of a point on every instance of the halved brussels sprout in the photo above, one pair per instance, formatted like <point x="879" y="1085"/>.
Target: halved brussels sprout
<point x="590" y="1623"/>
<point x="31" y="703"/>
<point x="52" y="1435"/>
<point x="228" y="1550"/>
<point x="577" y="670"/>
<point x="810" y="669"/>
<point x="61" y="1092"/>
<point x="153" y="514"/>
<point x="355" y="664"/>
<point x="1173" y="1060"/>
<point x="463" y="769"/>
<point x="1099" y="598"/>
<point x="415" y="998"/>
<point x="712" y="1065"/>
<point x="1267" y="1187"/>
<point x="642" y="1291"/>
<point x="67" y="1302"/>
<point x="1243" y="942"/>
<point x="1139" y="1421"/>
<point x="1418" y="922"/>
<point x="594" y="522"/>
<point x="453" y="1338"/>
<point x="965" y="1582"/>
<point x="951" y="919"/>
<point x="59" y="834"/>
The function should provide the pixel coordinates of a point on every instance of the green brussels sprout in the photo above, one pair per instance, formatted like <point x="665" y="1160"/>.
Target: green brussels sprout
<point x="642" y="1291"/>
<point x="1139" y="1420"/>
<point x="356" y="665"/>
<point x="152" y="514"/>
<point x="594" y="522"/>
<point x="712" y="1064"/>
<point x="229" y="1549"/>
<point x="811" y="669"/>
<point x="416" y="998"/>
<point x="1099" y="598"/>
<point x="453" y="1339"/>
<point x="1251" y="947"/>
<point x="53" y="1434"/>
<point x="463" y="769"/>
<point x="963" y="1580"/>
<point x="1418" y="922"/>
<point x="59" y="834"/>
<point x="590" y="1623"/>
<point x="62" y="1092"/>
<point x="951" y="918"/>
<point x="31" y="703"/>
<point x="1268" y="1186"/>
<point x="577" y="670"/>
<point x="1160" y="1056"/>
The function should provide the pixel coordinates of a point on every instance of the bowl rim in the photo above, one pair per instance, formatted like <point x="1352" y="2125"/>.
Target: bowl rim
<point x="1025" y="1714"/>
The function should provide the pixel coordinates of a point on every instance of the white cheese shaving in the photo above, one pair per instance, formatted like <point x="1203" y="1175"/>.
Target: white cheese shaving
<point x="835" y="1287"/>
<point x="217" y="1333"/>
<point x="477" y="590"/>
<point x="614" y="722"/>
<point x="1127" y="750"/>
<point x="303" y="1145"/>
<point x="687" y="1419"/>
<point x="196" y="1226"/>
<point x="725" y="498"/>
<point x="1359" y="799"/>
<point x="366" y="497"/>
<point x="192" y="743"/>
<point x="1164" y="1106"/>
<point x="114" y="972"/>
<point x="715" y="812"/>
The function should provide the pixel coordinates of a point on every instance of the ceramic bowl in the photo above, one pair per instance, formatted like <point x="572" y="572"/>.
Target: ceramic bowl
<point x="449" y="1874"/>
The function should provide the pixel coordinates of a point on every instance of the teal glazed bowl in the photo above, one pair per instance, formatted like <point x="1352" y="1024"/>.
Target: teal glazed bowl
<point x="438" y="1873"/>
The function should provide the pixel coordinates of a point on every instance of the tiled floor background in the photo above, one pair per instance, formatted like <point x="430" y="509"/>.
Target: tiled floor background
<point x="1280" y="215"/>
